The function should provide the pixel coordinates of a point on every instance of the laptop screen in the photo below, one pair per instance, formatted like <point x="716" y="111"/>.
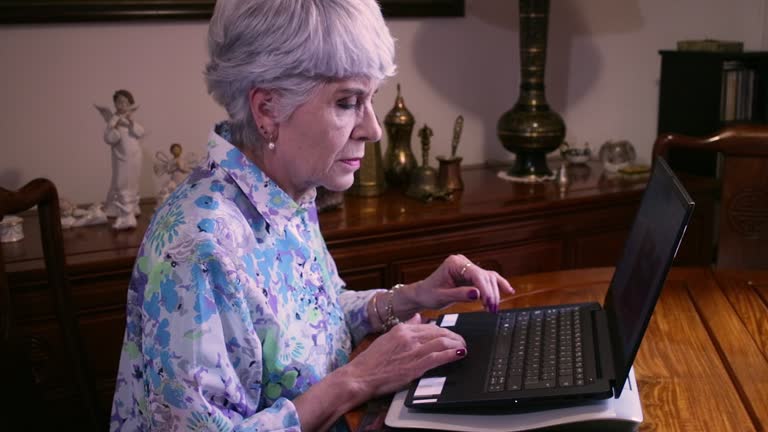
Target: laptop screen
<point x="653" y="241"/>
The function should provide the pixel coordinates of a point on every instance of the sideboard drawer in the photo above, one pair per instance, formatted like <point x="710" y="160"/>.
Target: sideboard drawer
<point x="507" y="261"/>
<point x="365" y="278"/>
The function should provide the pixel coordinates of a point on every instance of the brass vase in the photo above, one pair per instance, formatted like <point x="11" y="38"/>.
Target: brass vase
<point x="530" y="129"/>
<point x="369" y="179"/>
<point x="399" y="161"/>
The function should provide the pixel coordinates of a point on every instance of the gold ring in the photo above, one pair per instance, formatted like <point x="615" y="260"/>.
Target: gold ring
<point x="464" y="269"/>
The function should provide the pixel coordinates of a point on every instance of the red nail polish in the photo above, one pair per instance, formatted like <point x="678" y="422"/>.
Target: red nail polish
<point x="473" y="295"/>
<point x="461" y="352"/>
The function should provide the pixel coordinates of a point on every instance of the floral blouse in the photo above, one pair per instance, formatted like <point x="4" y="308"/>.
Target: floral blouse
<point x="235" y="306"/>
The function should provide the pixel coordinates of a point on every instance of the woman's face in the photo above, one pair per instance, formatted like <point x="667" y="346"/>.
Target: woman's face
<point x="323" y="141"/>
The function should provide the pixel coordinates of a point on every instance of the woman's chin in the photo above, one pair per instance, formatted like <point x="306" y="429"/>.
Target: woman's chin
<point x="340" y="184"/>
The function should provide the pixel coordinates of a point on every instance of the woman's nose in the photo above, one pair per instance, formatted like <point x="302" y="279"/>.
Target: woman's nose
<point x="368" y="129"/>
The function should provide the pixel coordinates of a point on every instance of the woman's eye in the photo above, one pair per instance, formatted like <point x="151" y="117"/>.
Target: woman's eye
<point x="348" y="103"/>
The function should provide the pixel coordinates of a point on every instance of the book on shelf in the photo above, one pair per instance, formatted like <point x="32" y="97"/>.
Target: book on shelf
<point x="737" y="92"/>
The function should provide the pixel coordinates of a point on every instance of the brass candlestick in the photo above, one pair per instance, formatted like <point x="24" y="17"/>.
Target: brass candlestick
<point x="530" y="129"/>
<point x="399" y="160"/>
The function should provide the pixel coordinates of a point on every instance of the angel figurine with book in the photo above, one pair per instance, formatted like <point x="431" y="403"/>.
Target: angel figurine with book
<point x="176" y="166"/>
<point x="123" y="133"/>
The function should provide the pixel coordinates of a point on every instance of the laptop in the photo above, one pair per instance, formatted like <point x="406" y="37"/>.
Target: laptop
<point x="521" y="359"/>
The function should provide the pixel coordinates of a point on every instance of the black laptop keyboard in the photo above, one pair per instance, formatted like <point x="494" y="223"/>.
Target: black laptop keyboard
<point x="537" y="349"/>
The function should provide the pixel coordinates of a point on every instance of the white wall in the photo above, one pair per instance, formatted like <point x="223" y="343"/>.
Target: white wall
<point x="602" y="77"/>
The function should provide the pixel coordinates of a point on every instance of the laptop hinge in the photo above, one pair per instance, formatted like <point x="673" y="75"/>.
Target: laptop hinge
<point x="604" y="351"/>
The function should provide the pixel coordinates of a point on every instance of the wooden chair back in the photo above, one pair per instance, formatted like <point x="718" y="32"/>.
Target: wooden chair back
<point x="15" y="347"/>
<point x="742" y="227"/>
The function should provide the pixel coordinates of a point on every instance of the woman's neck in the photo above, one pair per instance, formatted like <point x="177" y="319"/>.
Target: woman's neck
<point x="280" y="177"/>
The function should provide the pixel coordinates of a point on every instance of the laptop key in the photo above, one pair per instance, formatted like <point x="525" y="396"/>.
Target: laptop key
<point x="515" y="382"/>
<point x="540" y="384"/>
<point x="503" y="345"/>
<point x="529" y="379"/>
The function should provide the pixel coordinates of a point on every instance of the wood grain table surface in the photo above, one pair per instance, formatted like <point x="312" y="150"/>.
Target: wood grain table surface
<point x="703" y="363"/>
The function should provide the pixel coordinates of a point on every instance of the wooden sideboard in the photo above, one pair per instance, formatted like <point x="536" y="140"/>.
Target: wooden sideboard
<point x="514" y="228"/>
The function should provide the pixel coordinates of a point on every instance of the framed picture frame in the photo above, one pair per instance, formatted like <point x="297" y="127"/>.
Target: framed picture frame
<point x="60" y="11"/>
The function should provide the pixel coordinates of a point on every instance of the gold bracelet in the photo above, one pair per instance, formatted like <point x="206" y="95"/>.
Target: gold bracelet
<point x="376" y="309"/>
<point x="391" y="319"/>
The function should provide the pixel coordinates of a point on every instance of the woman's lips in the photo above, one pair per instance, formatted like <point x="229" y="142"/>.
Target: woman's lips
<point x="352" y="163"/>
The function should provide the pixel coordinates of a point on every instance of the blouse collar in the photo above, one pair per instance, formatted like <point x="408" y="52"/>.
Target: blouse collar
<point x="277" y="207"/>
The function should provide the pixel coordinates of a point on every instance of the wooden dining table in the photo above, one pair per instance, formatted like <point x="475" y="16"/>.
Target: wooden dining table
<point x="702" y="364"/>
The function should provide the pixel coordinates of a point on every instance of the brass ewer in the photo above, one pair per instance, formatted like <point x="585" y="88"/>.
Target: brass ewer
<point x="399" y="160"/>
<point x="530" y="129"/>
<point x="369" y="179"/>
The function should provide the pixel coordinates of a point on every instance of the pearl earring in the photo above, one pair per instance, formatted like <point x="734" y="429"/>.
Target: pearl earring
<point x="271" y="141"/>
<point x="270" y="138"/>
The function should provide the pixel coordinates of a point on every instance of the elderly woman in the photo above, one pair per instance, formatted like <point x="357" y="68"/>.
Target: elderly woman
<point x="237" y="318"/>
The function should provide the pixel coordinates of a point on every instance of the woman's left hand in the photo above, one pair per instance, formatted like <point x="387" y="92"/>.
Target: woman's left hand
<point x="456" y="280"/>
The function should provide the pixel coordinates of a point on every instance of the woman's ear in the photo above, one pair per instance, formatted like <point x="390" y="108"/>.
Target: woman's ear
<point x="262" y="103"/>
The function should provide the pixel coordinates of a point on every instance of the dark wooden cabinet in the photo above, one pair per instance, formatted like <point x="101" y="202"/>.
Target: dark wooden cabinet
<point x="377" y="242"/>
<point x="693" y="94"/>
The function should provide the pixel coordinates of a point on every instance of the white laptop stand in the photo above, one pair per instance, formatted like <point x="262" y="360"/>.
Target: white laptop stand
<point x="624" y="414"/>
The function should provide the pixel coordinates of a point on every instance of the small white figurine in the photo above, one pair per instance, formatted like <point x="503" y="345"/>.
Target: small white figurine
<point x="11" y="228"/>
<point x="175" y="166"/>
<point x="122" y="134"/>
<point x="93" y="215"/>
<point x="73" y="216"/>
<point x="67" y="210"/>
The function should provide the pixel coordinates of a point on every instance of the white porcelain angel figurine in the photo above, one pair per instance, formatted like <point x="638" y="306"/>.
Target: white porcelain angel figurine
<point x="122" y="134"/>
<point x="176" y="166"/>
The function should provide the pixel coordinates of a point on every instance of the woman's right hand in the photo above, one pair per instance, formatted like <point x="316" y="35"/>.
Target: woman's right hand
<point x="403" y="354"/>
<point x="389" y="364"/>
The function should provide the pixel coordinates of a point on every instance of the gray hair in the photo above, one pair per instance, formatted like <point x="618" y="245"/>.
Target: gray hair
<point x="290" y="47"/>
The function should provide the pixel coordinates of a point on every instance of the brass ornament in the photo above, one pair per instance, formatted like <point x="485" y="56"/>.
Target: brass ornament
<point x="531" y="129"/>
<point x="423" y="184"/>
<point x="399" y="161"/>
<point x="449" y="171"/>
<point x="369" y="179"/>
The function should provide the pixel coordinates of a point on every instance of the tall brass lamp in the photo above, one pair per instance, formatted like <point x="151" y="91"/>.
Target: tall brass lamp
<point x="531" y="129"/>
